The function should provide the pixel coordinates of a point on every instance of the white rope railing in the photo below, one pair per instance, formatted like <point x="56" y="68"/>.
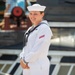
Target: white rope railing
<point x="56" y="57"/>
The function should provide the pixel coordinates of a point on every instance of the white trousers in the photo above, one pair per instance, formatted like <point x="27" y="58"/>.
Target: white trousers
<point x="41" y="67"/>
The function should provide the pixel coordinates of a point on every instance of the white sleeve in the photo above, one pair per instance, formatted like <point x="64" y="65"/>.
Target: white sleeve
<point x="42" y="41"/>
<point x="22" y="53"/>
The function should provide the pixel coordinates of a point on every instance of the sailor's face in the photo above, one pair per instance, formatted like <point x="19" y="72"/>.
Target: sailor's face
<point x="35" y="16"/>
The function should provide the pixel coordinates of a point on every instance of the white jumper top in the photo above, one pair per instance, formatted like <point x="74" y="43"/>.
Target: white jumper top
<point x="36" y="50"/>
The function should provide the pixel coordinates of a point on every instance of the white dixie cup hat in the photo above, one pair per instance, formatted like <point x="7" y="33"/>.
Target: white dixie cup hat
<point x="36" y="7"/>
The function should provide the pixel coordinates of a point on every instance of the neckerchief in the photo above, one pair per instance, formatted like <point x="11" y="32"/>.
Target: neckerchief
<point x="26" y="35"/>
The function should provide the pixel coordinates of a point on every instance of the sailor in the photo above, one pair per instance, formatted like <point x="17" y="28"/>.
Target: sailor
<point x="34" y="60"/>
<point x="10" y="4"/>
<point x="21" y="3"/>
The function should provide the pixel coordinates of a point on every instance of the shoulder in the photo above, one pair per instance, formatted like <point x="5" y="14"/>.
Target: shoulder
<point x="44" y="26"/>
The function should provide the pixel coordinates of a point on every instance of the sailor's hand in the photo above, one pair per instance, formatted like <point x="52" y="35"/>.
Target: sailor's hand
<point x="23" y="64"/>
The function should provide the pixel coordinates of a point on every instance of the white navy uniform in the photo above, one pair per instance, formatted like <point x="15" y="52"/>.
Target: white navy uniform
<point x="12" y="4"/>
<point x="36" y="50"/>
<point x="21" y="3"/>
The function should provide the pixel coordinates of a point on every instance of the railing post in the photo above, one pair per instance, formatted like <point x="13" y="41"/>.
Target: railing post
<point x="56" y="60"/>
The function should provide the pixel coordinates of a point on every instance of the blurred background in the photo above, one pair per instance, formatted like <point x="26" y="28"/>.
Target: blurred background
<point x="61" y="17"/>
